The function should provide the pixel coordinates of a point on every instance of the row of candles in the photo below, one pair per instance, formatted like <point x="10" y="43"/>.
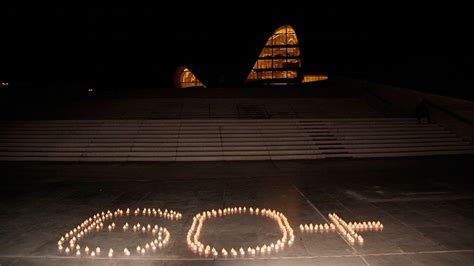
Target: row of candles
<point x="322" y="228"/>
<point x="198" y="247"/>
<point x="170" y="215"/>
<point x="347" y="230"/>
<point x="68" y="242"/>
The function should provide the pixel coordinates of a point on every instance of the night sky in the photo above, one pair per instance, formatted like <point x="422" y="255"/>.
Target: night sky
<point x="424" y="47"/>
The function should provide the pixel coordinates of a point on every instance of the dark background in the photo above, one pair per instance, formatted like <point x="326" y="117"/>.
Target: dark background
<point x="426" y="47"/>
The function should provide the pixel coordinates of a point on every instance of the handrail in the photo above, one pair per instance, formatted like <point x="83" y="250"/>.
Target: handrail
<point x="378" y="97"/>
<point x="451" y="113"/>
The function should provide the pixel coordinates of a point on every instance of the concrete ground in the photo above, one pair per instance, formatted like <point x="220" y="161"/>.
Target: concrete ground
<point x="425" y="204"/>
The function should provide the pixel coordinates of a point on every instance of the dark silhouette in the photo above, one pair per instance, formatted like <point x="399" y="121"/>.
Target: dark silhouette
<point x="422" y="111"/>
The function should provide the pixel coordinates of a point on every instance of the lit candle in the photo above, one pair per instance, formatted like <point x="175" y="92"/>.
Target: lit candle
<point x="78" y="253"/>
<point x="97" y="250"/>
<point x="86" y="250"/>
<point x="111" y="253"/>
<point x="92" y="254"/>
<point x="351" y="240"/>
<point x="67" y="250"/>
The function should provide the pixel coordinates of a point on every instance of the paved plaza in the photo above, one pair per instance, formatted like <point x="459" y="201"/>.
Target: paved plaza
<point x="425" y="205"/>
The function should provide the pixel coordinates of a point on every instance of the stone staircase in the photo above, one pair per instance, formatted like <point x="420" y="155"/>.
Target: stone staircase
<point x="224" y="139"/>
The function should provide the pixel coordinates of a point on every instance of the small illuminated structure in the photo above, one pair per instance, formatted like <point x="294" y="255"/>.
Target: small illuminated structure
<point x="4" y="84"/>
<point x="314" y="78"/>
<point x="184" y="78"/>
<point x="279" y="62"/>
<point x="202" y="249"/>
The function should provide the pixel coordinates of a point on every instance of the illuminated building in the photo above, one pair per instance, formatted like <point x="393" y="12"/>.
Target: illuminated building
<point x="279" y="63"/>
<point x="184" y="78"/>
<point x="314" y="78"/>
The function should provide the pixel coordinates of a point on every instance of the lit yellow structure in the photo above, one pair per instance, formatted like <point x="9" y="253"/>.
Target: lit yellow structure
<point x="314" y="78"/>
<point x="280" y="60"/>
<point x="184" y="78"/>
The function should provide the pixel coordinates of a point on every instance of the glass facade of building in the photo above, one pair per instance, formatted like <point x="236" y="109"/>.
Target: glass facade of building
<point x="184" y="78"/>
<point x="280" y="60"/>
<point x="314" y="78"/>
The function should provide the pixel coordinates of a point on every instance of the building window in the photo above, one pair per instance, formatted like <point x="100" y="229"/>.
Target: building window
<point x="184" y="78"/>
<point x="279" y="60"/>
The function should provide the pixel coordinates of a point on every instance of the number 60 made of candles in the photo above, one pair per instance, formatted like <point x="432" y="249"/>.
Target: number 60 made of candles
<point x="68" y="244"/>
